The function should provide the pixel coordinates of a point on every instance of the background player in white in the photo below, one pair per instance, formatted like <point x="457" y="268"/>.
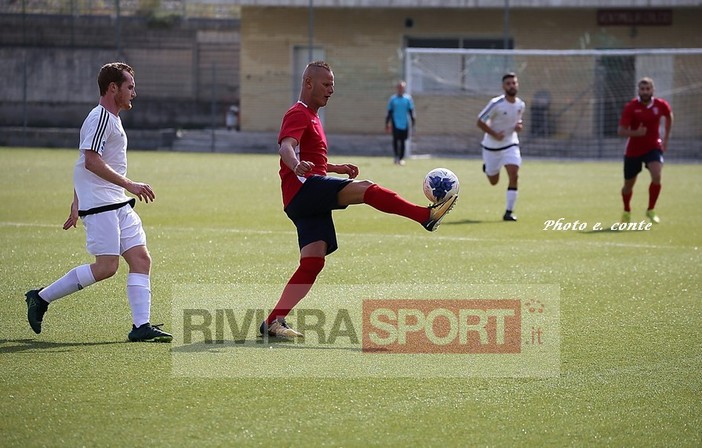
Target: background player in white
<point x="112" y="228"/>
<point x="501" y="120"/>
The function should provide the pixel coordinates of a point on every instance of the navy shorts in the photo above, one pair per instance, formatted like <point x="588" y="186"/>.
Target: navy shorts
<point x="633" y="165"/>
<point x="311" y="210"/>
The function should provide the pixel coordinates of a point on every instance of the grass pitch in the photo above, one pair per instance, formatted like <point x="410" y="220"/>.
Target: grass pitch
<point x="630" y="310"/>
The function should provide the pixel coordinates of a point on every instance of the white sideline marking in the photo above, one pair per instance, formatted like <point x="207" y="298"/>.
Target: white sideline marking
<point x="356" y="235"/>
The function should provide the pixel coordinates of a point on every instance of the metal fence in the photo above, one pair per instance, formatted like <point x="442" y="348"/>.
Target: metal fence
<point x="185" y="54"/>
<point x="156" y="9"/>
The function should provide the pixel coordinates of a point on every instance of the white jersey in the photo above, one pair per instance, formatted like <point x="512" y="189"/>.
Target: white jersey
<point x="502" y="116"/>
<point x="103" y="133"/>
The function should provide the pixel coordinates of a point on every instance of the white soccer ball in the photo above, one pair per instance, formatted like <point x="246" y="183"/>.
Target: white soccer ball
<point x="440" y="184"/>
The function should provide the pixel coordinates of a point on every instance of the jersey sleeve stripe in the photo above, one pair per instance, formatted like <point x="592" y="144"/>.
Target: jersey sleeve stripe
<point x="100" y="130"/>
<point x="485" y="113"/>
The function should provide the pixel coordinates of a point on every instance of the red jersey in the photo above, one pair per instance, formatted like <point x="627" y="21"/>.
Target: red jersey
<point x="304" y="126"/>
<point x="649" y="115"/>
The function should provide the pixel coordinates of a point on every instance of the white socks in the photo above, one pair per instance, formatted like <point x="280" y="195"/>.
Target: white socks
<point x="138" y="290"/>
<point x="511" y="198"/>
<point x="139" y="295"/>
<point x="75" y="280"/>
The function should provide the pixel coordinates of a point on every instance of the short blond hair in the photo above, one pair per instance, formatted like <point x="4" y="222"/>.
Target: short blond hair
<point x="646" y="81"/>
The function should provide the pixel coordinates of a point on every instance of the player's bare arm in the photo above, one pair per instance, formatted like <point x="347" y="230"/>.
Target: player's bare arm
<point x="95" y="164"/>
<point x="73" y="214"/>
<point x="488" y="130"/>
<point x="668" y="126"/>
<point x="289" y="158"/>
<point x="628" y="132"/>
<point x="344" y="168"/>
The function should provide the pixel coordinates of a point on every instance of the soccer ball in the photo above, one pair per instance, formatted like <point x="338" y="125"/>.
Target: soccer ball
<point x="440" y="184"/>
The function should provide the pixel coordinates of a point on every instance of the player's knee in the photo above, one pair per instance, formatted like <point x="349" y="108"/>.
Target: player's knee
<point x="141" y="263"/>
<point x="361" y="187"/>
<point x="145" y="263"/>
<point x="104" y="269"/>
<point x="138" y="259"/>
<point x="493" y="179"/>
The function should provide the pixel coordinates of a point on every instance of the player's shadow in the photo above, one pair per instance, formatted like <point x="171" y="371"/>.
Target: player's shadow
<point x="258" y="343"/>
<point x="461" y="222"/>
<point x="607" y="230"/>
<point x="24" y="345"/>
<point x="594" y="232"/>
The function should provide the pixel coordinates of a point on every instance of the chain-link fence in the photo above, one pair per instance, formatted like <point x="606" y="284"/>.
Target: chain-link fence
<point x="185" y="54"/>
<point x="156" y="9"/>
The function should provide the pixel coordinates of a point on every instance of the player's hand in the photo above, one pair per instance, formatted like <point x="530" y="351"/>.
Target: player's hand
<point x="142" y="191"/>
<point x="387" y="128"/>
<point x="347" y="168"/>
<point x="499" y="135"/>
<point x="303" y="168"/>
<point x="519" y="126"/>
<point x="72" y="217"/>
<point x="640" y="132"/>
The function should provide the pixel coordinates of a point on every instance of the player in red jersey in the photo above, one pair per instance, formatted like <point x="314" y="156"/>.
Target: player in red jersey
<point x="309" y="195"/>
<point x="640" y="122"/>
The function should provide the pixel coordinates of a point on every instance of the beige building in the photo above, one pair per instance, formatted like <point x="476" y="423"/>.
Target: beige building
<point x="365" y="43"/>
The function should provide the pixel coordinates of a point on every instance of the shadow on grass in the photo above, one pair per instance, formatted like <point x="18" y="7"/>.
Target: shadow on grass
<point x="259" y="343"/>
<point x="608" y="230"/>
<point x="23" y="345"/>
<point x="594" y="232"/>
<point x="464" y="221"/>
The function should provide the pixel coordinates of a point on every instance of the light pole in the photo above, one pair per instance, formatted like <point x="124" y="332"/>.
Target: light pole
<point x="505" y="37"/>
<point x="310" y="30"/>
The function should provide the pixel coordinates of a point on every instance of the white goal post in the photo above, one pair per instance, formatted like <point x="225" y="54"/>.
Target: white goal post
<point x="573" y="97"/>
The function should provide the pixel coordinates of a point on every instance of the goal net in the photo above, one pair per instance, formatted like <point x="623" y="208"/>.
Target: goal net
<point x="573" y="98"/>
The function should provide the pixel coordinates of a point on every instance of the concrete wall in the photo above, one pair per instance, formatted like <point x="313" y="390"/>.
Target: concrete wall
<point x="51" y="63"/>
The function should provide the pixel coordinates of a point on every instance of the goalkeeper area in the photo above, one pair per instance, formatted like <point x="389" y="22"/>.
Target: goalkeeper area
<point x="574" y="98"/>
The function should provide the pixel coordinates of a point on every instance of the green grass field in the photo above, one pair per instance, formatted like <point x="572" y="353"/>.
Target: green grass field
<point x="630" y="310"/>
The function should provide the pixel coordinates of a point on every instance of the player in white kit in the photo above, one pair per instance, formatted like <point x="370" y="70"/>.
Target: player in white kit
<point x="501" y="120"/>
<point x="112" y="227"/>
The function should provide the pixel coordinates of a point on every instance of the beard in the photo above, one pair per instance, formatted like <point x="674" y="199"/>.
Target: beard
<point x="125" y="104"/>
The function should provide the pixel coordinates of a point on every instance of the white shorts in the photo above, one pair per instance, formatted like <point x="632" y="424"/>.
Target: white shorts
<point x="495" y="160"/>
<point x="113" y="232"/>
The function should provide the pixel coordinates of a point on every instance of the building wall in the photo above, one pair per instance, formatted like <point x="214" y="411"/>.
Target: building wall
<point x="364" y="47"/>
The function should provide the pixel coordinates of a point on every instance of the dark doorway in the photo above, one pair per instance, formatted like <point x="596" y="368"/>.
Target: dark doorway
<point x="615" y="85"/>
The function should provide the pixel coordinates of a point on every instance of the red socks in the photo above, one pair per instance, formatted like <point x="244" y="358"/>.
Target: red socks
<point x="653" y="191"/>
<point x="298" y="286"/>
<point x="390" y="202"/>
<point x="627" y="201"/>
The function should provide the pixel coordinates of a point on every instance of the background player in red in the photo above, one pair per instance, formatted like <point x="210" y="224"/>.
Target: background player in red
<point x="309" y="195"/>
<point x="640" y="121"/>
